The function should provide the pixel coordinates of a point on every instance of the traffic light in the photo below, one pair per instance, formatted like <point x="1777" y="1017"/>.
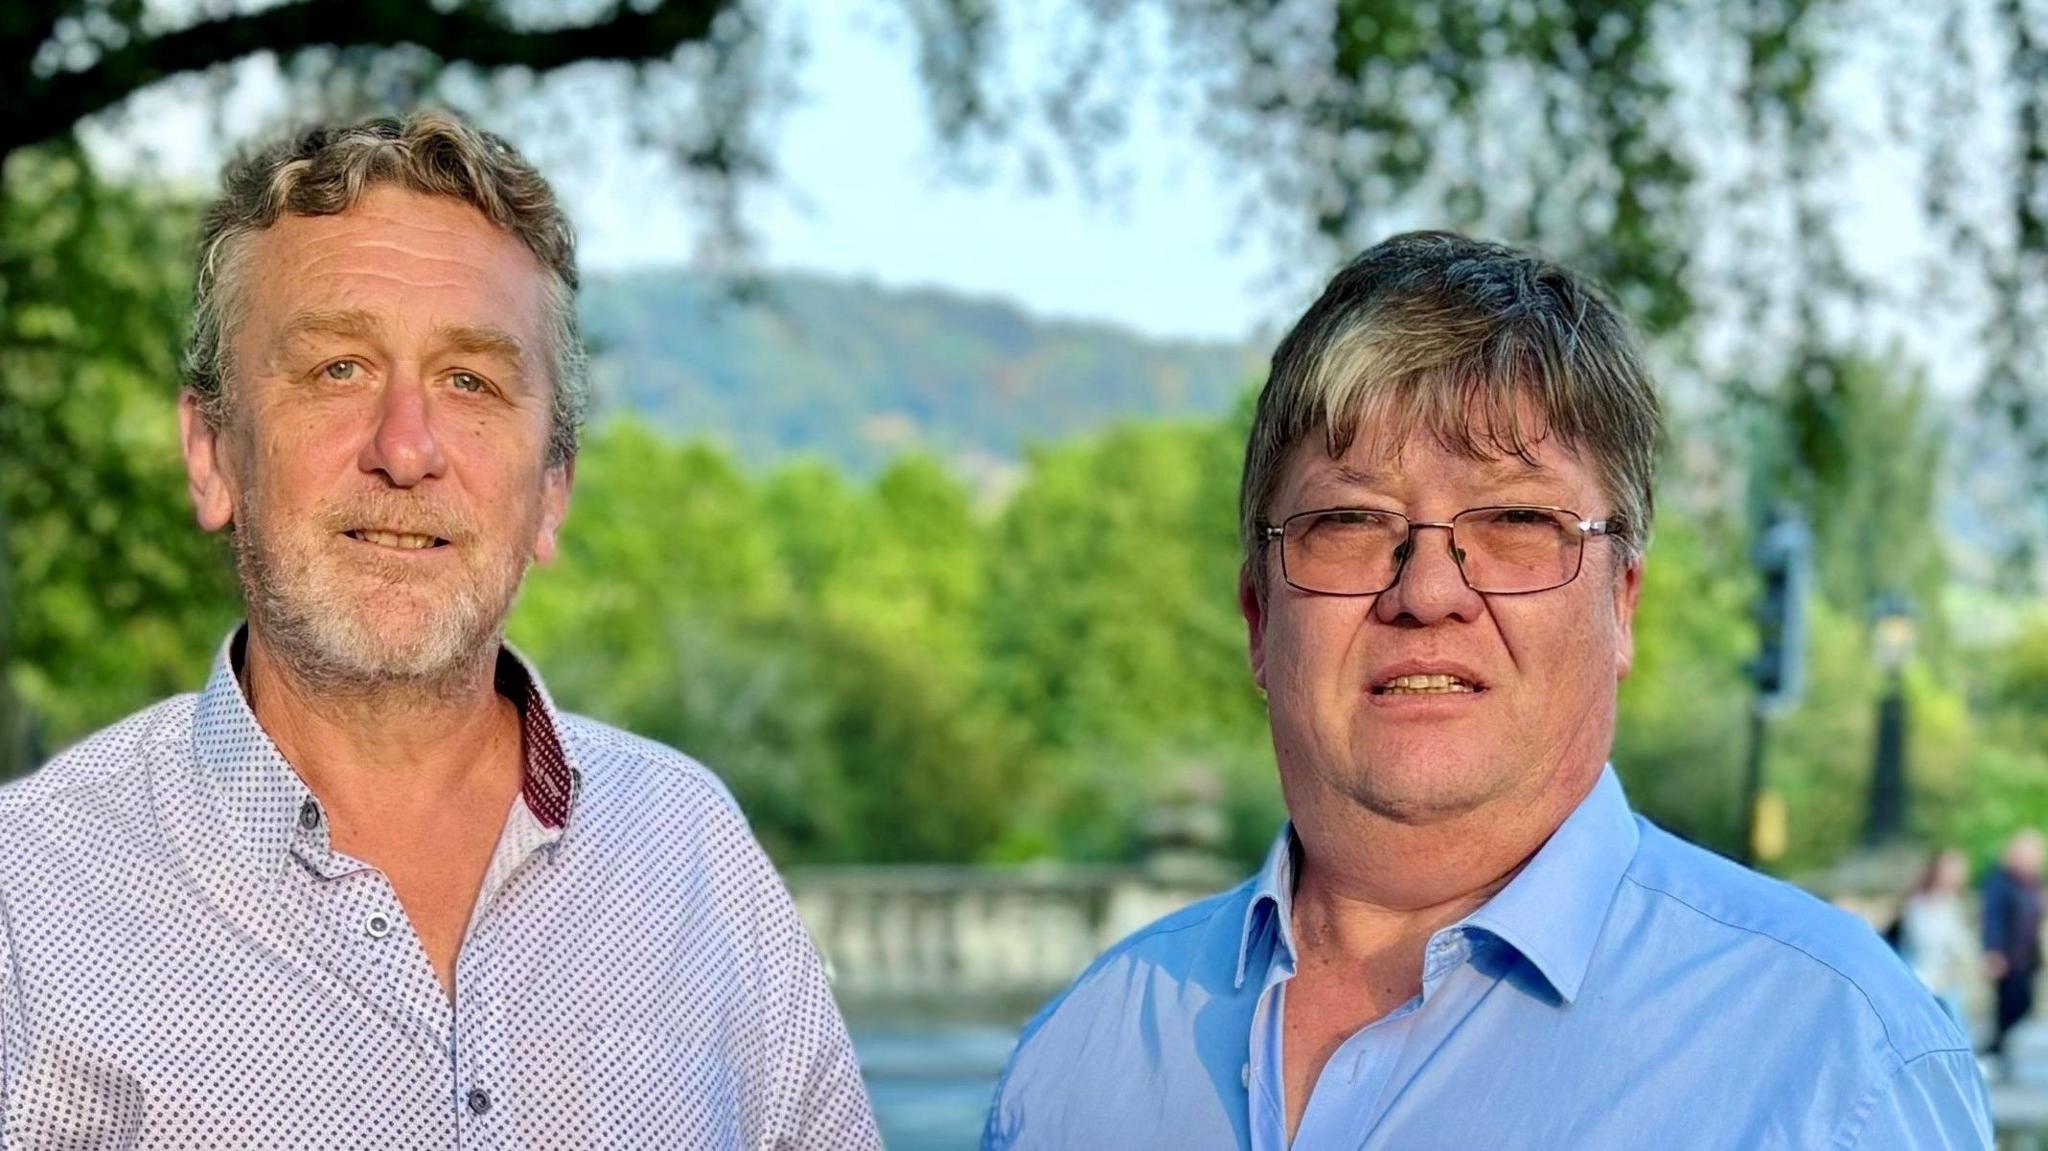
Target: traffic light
<point x="1784" y="565"/>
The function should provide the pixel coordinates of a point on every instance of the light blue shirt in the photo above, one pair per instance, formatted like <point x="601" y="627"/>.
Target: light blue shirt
<point x="1625" y="990"/>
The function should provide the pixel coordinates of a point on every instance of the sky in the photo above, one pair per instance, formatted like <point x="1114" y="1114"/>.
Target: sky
<point x="860" y="190"/>
<point x="1156" y="256"/>
<point x="861" y="194"/>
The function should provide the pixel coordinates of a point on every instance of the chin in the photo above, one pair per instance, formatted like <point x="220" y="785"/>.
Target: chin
<point x="1419" y="787"/>
<point x="370" y="654"/>
<point x="403" y="635"/>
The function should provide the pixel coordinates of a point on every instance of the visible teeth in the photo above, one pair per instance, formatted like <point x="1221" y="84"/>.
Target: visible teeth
<point x="1425" y="685"/>
<point x="404" y="541"/>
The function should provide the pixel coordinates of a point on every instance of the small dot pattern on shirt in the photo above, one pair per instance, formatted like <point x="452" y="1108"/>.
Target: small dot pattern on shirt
<point x="188" y="964"/>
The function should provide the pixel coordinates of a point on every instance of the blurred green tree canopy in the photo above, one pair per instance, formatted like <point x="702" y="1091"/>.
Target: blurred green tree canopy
<point x="115" y="589"/>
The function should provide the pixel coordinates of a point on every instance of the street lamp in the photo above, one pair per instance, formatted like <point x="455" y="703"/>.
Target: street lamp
<point x="1891" y="645"/>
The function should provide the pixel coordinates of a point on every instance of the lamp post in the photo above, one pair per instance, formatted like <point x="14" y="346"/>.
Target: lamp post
<point x="1891" y="646"/>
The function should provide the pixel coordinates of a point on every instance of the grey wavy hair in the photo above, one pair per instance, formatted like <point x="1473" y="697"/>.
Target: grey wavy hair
<point x="324" y="171"/>
<point x="1439" y="334"/>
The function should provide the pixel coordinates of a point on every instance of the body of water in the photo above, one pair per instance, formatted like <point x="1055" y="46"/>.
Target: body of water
<point x="931" y="1083"/>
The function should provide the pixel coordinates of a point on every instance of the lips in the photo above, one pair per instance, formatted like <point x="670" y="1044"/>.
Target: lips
<point x="1425" y="685"/>
<point x="397" y="540"/>
<point x="1426" y="678"/>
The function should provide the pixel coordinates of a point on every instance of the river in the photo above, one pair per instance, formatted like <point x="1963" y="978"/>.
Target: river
<point x="931" y="1083"/>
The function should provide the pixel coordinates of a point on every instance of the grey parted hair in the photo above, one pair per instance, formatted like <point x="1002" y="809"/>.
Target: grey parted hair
<point x="324" y="171"/>
<point x="1460" y="339"/>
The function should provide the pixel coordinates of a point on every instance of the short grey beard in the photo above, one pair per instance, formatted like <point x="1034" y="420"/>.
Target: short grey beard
<point x="322" y="647"/>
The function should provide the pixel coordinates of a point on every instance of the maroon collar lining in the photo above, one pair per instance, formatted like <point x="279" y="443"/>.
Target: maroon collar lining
<point x="549" y="783"/>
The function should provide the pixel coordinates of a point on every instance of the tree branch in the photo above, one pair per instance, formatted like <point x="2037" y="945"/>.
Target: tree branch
<point x="41" y="108"/>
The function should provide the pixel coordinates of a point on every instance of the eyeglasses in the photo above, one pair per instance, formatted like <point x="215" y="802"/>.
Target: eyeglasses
<point x="1509" y="550"/>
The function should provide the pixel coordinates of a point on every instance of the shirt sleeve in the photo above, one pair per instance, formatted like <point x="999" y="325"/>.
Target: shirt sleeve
<point x="1935" y="1102"/>
<point x="816" y="1069"/>
<point x="12" y="1026"/>
<point x="832" y="1110"/>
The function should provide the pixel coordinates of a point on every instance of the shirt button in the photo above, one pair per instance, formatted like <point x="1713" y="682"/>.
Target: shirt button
<point x="377" y="926"/>
<point x="479" y="1100"/>
<point x="1244" y="1076"/>
<point x="309" y="815"/>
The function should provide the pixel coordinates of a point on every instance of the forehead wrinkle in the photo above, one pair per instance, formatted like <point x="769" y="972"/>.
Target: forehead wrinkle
<point x="450" y="272"/>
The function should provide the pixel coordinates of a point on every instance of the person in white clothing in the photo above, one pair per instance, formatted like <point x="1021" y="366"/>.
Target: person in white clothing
<point x="1935" y="936"/>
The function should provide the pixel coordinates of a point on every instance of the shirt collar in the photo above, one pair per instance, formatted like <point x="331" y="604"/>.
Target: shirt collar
<point x="1551" y="913"/>
<point x="1272" y="901"/>
<point x="267" y="805"/>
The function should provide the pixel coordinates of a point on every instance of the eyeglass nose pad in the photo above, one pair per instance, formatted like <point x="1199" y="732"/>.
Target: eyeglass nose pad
<point x="1405" y="551"/>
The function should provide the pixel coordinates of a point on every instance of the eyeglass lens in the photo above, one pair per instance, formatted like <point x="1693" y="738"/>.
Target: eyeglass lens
<point x="1360" y="551"/>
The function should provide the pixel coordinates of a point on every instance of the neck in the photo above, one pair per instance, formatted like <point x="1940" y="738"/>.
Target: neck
<point x="1369" y="883"/>
<point x="391" y="746"/>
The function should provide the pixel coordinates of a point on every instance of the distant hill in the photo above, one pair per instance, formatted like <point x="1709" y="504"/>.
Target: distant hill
<point x="855" y="373"/>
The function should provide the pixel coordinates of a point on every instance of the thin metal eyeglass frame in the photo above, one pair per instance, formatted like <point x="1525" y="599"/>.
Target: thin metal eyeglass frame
<point x="1271" y="533"/>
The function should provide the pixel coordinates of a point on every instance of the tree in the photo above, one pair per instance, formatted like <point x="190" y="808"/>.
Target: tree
<point x="1695" y="155"/>
<point x="1562" y="122"/>
<point x="1111" y="631"/>
<point x="65" y="60"/>
<point x="129" y="596"/>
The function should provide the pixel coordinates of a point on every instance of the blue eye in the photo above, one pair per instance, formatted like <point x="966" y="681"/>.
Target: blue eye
<point x="340" y="371"/>
<point x="468" y="382"/>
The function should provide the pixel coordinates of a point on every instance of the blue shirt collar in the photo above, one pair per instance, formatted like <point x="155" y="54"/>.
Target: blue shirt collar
<point x="1272" y="901"/>
<point x="1551" y="913"/>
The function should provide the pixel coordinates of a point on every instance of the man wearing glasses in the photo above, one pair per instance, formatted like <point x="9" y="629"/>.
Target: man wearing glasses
<point x="1464" y="938"/>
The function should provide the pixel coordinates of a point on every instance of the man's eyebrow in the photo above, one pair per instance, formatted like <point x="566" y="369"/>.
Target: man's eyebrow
<point x="336" y="322"/>
<point x="476" y="340"/>
<point x="482" y="341"/>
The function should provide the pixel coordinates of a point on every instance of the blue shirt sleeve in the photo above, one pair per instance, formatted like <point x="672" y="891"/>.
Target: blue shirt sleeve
<point x="1935" y="1102"/>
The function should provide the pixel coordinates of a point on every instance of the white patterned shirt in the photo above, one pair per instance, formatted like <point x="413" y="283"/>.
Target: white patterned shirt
<point x="188" y="963"/>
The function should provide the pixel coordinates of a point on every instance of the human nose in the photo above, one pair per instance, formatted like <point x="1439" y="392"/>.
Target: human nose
<point x="404" y="446"/>
<point x="1429" y="586"/>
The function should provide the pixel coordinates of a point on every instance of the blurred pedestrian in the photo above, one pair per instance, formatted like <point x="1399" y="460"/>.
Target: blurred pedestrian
<point x="1935" y="937"/>
<point x="2012" y="931"/>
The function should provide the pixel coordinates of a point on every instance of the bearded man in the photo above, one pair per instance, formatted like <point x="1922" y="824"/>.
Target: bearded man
<point x="369" y="888"/>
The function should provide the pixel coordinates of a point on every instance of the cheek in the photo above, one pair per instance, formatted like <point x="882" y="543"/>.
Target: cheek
<point x="1311" y="645"/>
<point x="1573" y="643"/>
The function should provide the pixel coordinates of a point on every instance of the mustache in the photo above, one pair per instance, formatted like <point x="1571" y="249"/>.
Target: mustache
<point x="410" y="516"/>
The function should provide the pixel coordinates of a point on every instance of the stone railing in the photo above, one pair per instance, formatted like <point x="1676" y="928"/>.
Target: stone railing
<point x="977" y="940"/>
